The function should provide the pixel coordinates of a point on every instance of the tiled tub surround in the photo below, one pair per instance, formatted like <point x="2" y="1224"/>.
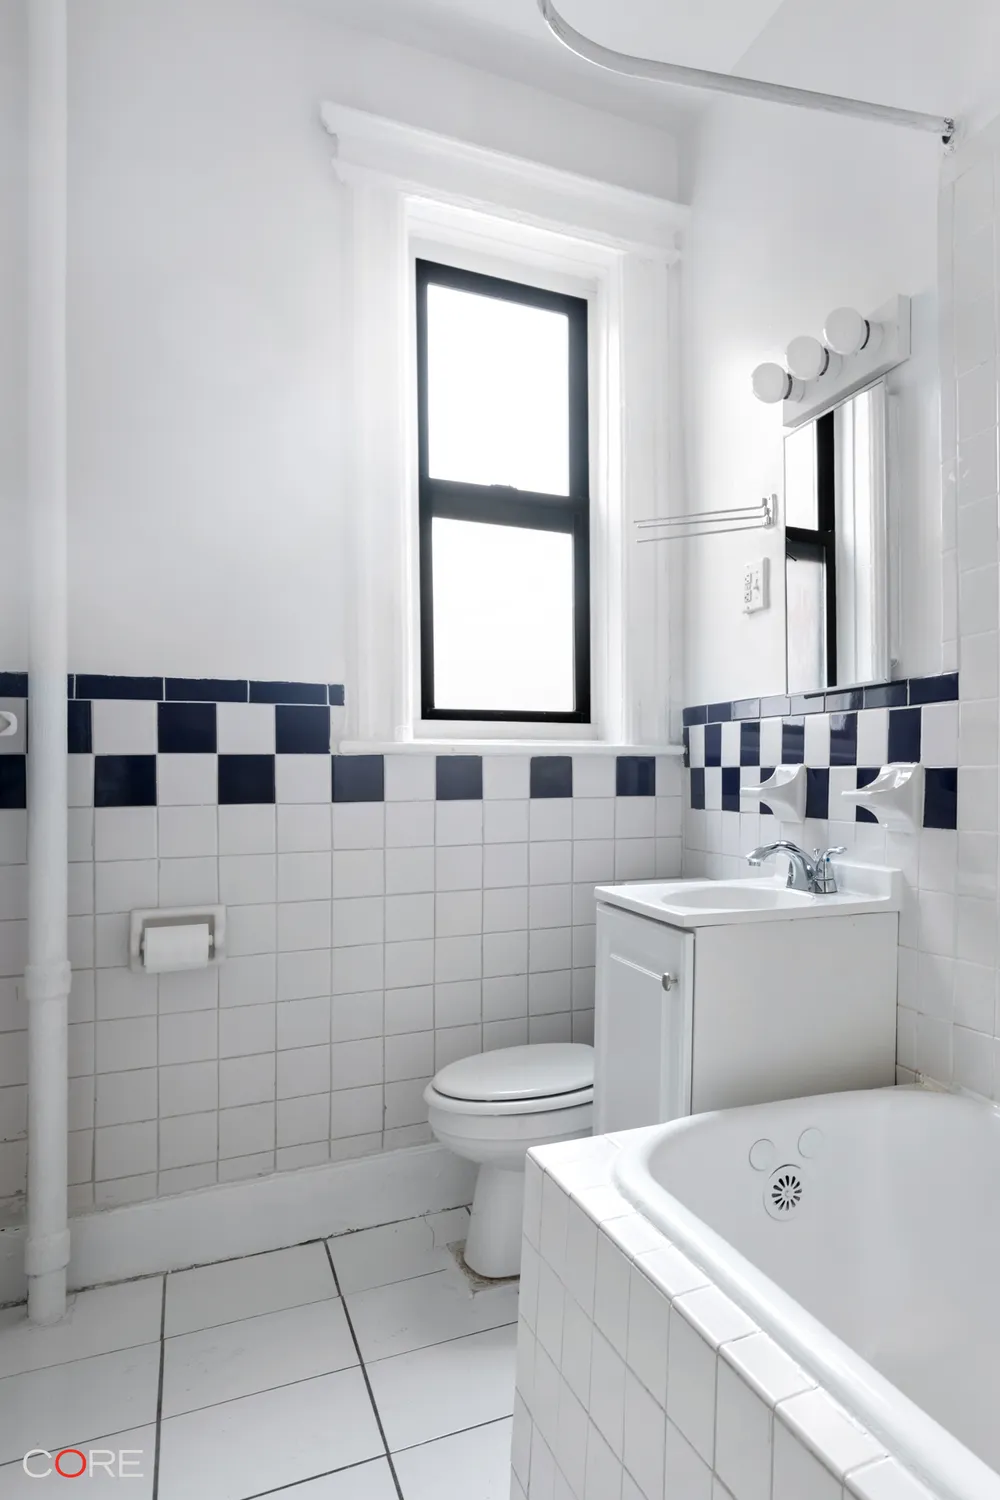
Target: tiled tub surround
<point x="638" y="1379"/>
<point x="386" y="916"/>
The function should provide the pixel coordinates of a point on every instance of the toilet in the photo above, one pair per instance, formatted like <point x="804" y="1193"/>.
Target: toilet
<point x="492" y="1108"/>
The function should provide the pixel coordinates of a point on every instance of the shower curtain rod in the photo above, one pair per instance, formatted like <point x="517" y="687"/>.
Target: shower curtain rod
<point x="728" y="83"/>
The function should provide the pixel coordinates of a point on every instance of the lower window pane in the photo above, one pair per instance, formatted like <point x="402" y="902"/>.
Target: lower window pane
<point x="503" y="618"/>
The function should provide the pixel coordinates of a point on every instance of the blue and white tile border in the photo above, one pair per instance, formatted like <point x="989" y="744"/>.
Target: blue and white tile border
<point x="842" y="738"/>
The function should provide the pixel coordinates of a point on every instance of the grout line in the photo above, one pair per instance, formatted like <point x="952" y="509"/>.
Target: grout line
<point x="286" y="1489"/>
<point x="364" y="1376"/>
<point x="444" y="1436"/>
<point x="159" y="1393"/>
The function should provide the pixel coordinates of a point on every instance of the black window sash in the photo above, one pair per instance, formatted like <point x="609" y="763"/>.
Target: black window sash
<point x="499" y="505"/>
<point x="804" y="544"/>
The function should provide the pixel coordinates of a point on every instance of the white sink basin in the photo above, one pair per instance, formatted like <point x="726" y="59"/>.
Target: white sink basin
<point x="709" y="903"/>
<point x="736" y="895"/>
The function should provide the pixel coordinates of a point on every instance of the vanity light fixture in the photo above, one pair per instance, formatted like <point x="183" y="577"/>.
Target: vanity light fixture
<point x="847" y="332"/>
<point x="772" y="383"/>
<point x="808" y="359"/>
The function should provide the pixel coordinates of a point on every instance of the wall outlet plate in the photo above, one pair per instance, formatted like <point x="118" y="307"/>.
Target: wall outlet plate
<point x="755" y="586"/>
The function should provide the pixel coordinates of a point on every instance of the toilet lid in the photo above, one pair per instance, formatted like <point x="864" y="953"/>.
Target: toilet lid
<point x="538" y="1071"/>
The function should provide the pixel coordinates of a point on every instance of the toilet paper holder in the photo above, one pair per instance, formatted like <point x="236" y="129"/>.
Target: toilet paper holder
<point x="176" y="916"/>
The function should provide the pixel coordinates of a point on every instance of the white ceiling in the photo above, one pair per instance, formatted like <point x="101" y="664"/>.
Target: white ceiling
<point x="936" y="55"/>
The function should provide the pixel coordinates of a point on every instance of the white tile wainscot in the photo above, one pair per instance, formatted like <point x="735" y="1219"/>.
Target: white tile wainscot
<point x="637" y="1379"/>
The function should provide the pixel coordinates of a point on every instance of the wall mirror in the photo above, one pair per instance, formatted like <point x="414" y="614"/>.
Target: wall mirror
<point x="836" y="546"/>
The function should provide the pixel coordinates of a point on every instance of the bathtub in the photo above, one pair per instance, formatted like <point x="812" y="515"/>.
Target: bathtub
<point x="862" y="1232"/>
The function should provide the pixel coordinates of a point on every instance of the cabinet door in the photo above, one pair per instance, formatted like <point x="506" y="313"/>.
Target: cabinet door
<point x="642" y="1022"/>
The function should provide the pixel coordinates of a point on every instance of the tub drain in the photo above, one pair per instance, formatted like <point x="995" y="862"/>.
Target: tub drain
<point x="783" y="1192"/>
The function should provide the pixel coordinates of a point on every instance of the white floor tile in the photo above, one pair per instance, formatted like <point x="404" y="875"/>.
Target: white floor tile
<point x="108" y="1318"/>
<point x="236" y="1289"/>
<point x="71" y="1403"/>
<point x="469" y="1464"/>
<point x="140" y="1454"/>
<point x="238" y="1359"/>
<point x="397" y="1252"/>
<point x="262" y="1442"/>
<point x="443" y="1389"/>
<point x="371" y="1481"/>
<point x="409" y="1315"/>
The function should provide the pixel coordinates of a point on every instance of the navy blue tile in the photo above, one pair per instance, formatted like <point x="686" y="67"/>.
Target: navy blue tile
<point x="246" y="778"/>
<point x="207" y="689"/>
<point x="13" y="781"/>
<point x="79" y="736"/>
<point x="943" y="689"/>
<point x="940" y="798"/>
<point x="904" y="734"/>
<point x="336" y="694"/>
<point x="459" y="778"/>
<point x="766" y="772"/>
<point x="98" y="686"/>
<point x="774" y="707"/>
<point x="866" y="775"/>
<point x="551" y="776"/>
<point x="750" y="744"/>
<point x="818" y="792"/>
<point x="70" y="686"/>
<point x="885" y="695"/>
<point x="694" y="715"/>
<point x="718" y="713"/>
<point x="635" y="775"/>
<point x="746" y="708"/>
<point x="807" y="703"/>
<point x="713" y="744"/>
<point x="843" y="739"/>
<point x="125" y="781"/>
<point x="358" y="778"/>
<point x="848" y="700"/>
<point x="793" y="742"/>
<point x="731" y="789"/>
<point x="13" y="684"/>
<point x="686" y="740"/>
<point x="288" y="692"/>
<point x="301" y="729"/>
<point x="698" y="788"/>
<point x="185" y="728"/>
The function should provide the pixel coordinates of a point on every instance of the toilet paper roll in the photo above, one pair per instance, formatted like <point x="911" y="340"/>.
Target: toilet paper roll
<point x="178" y="946"/>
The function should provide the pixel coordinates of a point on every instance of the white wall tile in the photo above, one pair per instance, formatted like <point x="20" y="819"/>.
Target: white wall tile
<point x="123" y="727"/>
<point x="506" y="776"/>
<point x="247" y="829"/>
<point x="245" y="728"/>
<point x="409" y="778"/>
<point x="409" y="824"/>
<point x="306" y="779"/>
<point x="304" y="827"/>
<point x="185" y="780"/>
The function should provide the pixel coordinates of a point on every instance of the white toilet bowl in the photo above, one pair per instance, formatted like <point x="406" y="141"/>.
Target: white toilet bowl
<point x="492" y="1108"/>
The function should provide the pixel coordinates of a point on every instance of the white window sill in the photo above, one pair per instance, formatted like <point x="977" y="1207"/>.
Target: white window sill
<point x="500" y="747"/>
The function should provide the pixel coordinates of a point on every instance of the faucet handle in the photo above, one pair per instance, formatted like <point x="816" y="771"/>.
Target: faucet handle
<point x="824" y="857"/>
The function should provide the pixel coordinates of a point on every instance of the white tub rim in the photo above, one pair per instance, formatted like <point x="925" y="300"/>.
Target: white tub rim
<point x="917" y="1440"/>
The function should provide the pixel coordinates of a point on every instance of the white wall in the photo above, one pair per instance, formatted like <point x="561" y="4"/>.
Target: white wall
<point x="207" y="504"/>
<point x="13" y="628"/>
<point x="794" y="214"/>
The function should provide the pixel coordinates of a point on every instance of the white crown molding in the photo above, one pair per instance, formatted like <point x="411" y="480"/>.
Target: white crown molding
<point x="421" y="164"/>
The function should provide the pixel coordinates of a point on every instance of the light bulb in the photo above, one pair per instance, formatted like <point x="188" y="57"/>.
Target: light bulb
<point x="772" y="383"/>
<point x="808" y="359"/>
<point x="847" y="332"/>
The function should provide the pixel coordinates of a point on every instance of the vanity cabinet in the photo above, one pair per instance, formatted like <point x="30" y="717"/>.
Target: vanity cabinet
<point x="745" y="1013"/>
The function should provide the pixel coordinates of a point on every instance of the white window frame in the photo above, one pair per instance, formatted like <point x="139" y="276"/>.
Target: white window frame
<point x="410" y="193"/>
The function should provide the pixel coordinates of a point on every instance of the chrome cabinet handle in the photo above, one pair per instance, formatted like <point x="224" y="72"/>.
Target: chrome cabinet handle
<point x="668" y="981"/>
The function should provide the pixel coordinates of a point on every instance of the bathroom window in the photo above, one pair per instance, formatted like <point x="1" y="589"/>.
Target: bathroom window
<point x="504" y="499"/>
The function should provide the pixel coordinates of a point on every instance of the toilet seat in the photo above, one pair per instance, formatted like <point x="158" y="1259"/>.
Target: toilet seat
<point x="541" y="1078"/>
<point x="547" y="1104"/>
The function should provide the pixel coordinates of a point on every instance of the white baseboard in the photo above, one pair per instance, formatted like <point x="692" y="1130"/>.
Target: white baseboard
<point x="242" y="1218"/>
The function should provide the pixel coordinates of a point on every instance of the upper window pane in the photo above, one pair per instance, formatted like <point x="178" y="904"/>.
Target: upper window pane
<point x="497" y="392"/>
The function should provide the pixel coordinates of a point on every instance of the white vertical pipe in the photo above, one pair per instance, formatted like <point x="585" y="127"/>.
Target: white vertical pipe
<point x="47" y="977"/>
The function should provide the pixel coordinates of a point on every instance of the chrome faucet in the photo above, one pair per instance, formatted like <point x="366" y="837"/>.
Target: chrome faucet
<point x="813" y="874"/>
